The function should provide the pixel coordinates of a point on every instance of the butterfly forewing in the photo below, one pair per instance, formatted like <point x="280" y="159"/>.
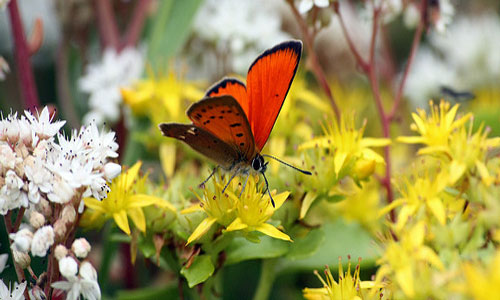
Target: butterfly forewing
<point x="203" y="142"/>
<point x="233" y="87"/>
<point x="268" y="81"/>
<point x="224" y="118"/>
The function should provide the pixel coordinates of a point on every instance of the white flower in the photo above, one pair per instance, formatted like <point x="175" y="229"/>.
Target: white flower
<point x="21" y="240"/>
<point x="68" y="267"/>
<point x="42" y="240"/>
<point x="306" y="5"/>
<point x="81" y="247"/>
<point x="426" y="76"/>
<point x="3" y="261"/>
<point x="8" y="157"/>
<point x="11" y="195"/>
<point x="240" y="29"/>
<point x="43" y="125"/>
<point x="16" y="293"/>
<point x="4" y="66"/>
<point x="39" y="178"/>
<point x="446" y="12"/>
<point x="103" y="80"/>
<point x="85" y="284"/>
<point x="111" y="170"/>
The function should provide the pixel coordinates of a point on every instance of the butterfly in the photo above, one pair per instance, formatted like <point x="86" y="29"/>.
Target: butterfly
<point x="232" y="123"/>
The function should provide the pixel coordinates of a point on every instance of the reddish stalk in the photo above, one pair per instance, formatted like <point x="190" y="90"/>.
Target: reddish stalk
<point x="315" y="66"/>
<point x="135" y="26"/>
<point x="22" y="56"/>
<point x="106" y="23"/>
<point x="414" y="47"/>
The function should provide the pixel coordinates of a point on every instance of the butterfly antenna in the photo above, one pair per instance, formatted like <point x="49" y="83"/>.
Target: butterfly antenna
<point x="287" y="164"/>
<point x="244" y="185"/>
<point x="202" y="185"/>
<point x="267" y="188"/>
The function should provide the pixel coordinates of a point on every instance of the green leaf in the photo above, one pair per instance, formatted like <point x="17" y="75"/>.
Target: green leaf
<point x="241" y="249"/>
<point x="335" y="198"/>
<point x="170" y="29"/>
<point x="200" y="270"/>
<point x="146" y="246"/>
<point x="341" y="239"/>
<point x="303" y="247"/>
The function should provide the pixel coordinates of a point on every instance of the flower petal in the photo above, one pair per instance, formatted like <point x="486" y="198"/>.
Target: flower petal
<point x="272" y="231"/>
<point x="141" y="200"/>
<point x="167" y="158"/>
<point x="94" y="204"/>
<point x="202" y="228"/>
<point x="306" y="203"/>
<point x="122" y="221"/>
<point x="131" y="175"/>
<point x="374" y="142"/>
<point x="137" y="216"/>
<point x="237" y="224"/>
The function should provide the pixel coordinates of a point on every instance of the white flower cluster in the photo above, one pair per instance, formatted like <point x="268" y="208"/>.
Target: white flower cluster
<point x="240" y="29"/>
<point x="103" y="80"/>
<point x="466" y="57"/>
<point x="81" y="277"/>
<point x="49" y="179"/>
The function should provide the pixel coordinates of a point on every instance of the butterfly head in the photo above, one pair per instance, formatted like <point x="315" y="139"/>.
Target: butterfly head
<point x="258" y="164"/>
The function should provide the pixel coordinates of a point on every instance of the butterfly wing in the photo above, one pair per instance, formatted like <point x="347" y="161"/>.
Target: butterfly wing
<point x="224" y="118"/>
<point x="233" y="87"/>
<point x="202" y="141"/>
<point x="268" y="81"/>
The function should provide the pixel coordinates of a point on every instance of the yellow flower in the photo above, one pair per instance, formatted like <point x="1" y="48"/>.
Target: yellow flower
<point x="422" y="191"/>
<point x="253" y="210"/>
<point x="408" y="264"/>
<point x="347" y="144"/>
<point x="341" y="152"/>
<point x="483" y="281"/>
<point x="161" y="98"/>
<point x="349" y="287"/>
<point x="248" y="213"/>
<point x="436" y="128"/>
<point x="468" y="152"/>
<point x="124" y="201"/>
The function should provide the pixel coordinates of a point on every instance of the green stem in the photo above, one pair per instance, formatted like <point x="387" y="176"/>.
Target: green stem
<point x="266" y="280"/>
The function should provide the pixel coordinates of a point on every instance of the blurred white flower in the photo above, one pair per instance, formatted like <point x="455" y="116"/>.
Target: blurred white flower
<point x="239" y="29"/>
<point x="13" y="292"/>
<point x="103" y="80"/>
<point x="42" y="240"/>
<point x="3" y="261"/>
<point x="306" y="5"/>
<point x="81" y="247"/>
<point x="21" y="240"/>
<point x="68" y="267"/>
<point x="445" y="16"/>
<point x="111" y="170"/>
<point x="85" y="284"/>
<point x="426" y="76"/>
<point x="4" y="66"/>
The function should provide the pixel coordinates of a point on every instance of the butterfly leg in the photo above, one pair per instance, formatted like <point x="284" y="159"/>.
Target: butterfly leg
<point x="244" y="185"/>
<point x="267" y="189"/>
<point x="202" y="185"/>
<point x="230" y="179"/>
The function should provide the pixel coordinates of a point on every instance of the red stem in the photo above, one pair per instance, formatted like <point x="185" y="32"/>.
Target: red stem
<point x="414" y="47"/>
<point x="315" y="67"/>
<point x="25" y="72"/>
<point x="136" y="24"/>
<point x="106" y="22"/>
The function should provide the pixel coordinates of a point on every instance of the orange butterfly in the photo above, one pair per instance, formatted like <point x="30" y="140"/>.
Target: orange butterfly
<point x="232" y="123"/>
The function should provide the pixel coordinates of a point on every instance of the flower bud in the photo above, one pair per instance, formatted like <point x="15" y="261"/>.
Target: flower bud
<point x="36" y="219"/>
<point x="42" y="240"/>
<point x="68" y="267"/>
<point x="111" y="170"/>
<point x="364" y="168"/>
<point x="60" y="252"/>
<point x="21" y="240"/>
<point x="44" y="207"/>
<point x="23" y="259"/>
<point x="81" y="247"/>
<point x="87" y="271"/>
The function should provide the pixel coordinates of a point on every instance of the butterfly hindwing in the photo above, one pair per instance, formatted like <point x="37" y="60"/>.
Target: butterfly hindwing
<point x="268" y="81"/>
<point x="233" y="87"/>
<point x="224" y="118"/>
<point x="202" y="141"/>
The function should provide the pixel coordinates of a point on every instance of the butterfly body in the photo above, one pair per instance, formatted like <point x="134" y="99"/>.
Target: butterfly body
<point x="232" y="123"/>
